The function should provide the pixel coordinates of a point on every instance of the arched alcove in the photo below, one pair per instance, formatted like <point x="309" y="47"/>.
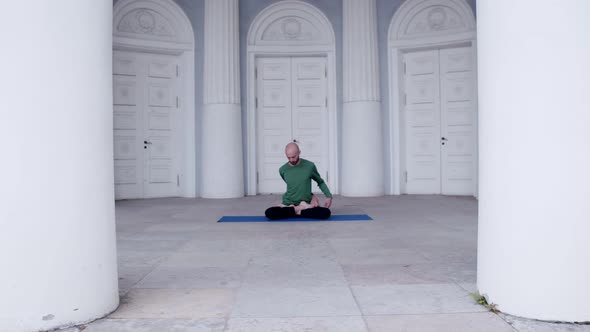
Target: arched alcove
<point x="161" y="28"/>
<point x="417" y="26"/>
<point x="291" y="29"/>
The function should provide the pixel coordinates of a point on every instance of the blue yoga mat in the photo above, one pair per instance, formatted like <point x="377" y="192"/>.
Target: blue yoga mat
<point x="334" y="217"/>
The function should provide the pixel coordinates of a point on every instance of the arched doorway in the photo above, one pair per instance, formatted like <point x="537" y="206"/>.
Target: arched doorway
<point x="291" y="89"/>
<point x="153" y="100"/>
<point x="433" y="98"/>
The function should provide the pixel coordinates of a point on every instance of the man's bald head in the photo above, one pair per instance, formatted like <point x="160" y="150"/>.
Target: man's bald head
<point x="292" y="152"/>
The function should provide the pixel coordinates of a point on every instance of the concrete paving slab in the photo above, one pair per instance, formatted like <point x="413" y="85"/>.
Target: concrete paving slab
<point x="384" y="274"/>
<point x="529" y="325"/>
<point x="414" y="299"/>
<point x="294" y="302"/>
<point x="141" y="258"/>
<point x="361" y="251"/>
<point x="157" y="325"/>
<point x="205" y="258"/>
<point x="175" y="303"/>
<point x="192" y="277"/>
<point x="297" y="324"/>
<point x="320" y="274"/>
<point x="464" y="322"/>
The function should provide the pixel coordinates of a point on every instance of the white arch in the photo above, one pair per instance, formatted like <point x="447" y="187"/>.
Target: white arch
<point x="150" y="20"/>
<point x="161" y="26"/>
<point x="290" y="22"/>
<point x="288" y="28"/>
<point x="420" y="24"/>
<point x="435" y="21"/>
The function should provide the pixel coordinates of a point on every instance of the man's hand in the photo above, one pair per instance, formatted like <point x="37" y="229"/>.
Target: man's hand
<point x="314" y="201"/>
<point x="328" y="202"/>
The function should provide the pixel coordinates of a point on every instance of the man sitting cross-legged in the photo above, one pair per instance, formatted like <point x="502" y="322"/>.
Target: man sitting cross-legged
<point x="298" y="200"/>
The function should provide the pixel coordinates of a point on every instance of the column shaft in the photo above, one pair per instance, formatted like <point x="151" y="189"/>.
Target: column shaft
<point x="222" y="157"/>
<point x="362" y="138"/>
<point x="57" y="221"/>
<point x="534" y="185"/>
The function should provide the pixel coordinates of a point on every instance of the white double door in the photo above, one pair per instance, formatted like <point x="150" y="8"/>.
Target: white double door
<point x="440" y="122"/>
<point x="291" y="106"/>
<point x="146" y="125"/>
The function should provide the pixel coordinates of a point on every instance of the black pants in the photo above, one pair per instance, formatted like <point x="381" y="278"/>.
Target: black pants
<point x="277" y="212"/>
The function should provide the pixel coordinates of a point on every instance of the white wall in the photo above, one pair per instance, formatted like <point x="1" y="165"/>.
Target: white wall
<point x="534" y="215"/>
<point x="57" y="227"/>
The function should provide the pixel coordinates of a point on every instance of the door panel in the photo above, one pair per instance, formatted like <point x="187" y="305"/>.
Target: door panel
<point x="422" y="123"/>
<point x="457" y="121"/>
<point x="274" y="120"/>
<point x="291" y="106"/>
<point x="309" y="111"/>
<point x="146" y="137"/>
<point x="126" y="136"/>
<point x="439" y="117"/>
<point x="161" y="157"/>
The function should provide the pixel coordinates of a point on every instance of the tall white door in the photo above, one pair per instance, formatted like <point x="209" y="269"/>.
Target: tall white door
<point x="439" y="122"/>
<point x="146" y="125"/>
<point x="291" y="103"/>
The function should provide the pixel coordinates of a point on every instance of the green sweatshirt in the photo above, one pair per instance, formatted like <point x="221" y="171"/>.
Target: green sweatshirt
<point x="298" y="179"/>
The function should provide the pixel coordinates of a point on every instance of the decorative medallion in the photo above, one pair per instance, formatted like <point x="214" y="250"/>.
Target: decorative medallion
<point x="437" y="18"/>
<point x="291" y="28"/>
<point x="146" y="22"/>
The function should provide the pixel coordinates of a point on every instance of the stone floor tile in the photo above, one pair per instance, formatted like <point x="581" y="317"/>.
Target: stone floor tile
<point x="207" y="259"/>
<point x="297" y="324"/>
<point x="294" y="302"/>
<point x="149" y="245"/>
<point x="414" y="299"/>
<point x="530" y="325"/>
<point x="157" y="325"/>
<point x="380" y="274"/>
<point x="175" y="303"/>
<point x="131" y="275"/>
<point x="469" y="322"/>
<point x="140" y="258"/>
<point x="350" y="252"/>
<point x="294" y="275"/>
<point x="192" y="277"/>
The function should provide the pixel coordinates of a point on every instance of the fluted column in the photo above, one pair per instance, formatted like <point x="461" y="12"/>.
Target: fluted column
<point x="362" y="141"/>
<point x="57" y="219"/>
<point x="534" y="186"/>
<point x="222" y="163"/>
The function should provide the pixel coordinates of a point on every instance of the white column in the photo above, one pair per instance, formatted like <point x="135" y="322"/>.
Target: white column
<point x="534" y="214"/>
<point x="222" y="163"/>
<point x="362" y="138"/>
<point x="57" y="222"/>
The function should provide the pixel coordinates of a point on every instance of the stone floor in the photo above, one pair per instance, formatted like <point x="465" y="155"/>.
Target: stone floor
<point x="410" y="269"/>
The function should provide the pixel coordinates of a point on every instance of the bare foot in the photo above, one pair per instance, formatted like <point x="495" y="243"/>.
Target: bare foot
<point x="302" y="206"/>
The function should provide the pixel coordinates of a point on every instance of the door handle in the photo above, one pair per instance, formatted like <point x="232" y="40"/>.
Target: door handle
<point x="295" y="141"/>
<point x="443" y="140"/>
<point x="147" y="142"/>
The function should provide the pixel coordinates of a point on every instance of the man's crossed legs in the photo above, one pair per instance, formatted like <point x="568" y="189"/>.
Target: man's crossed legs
<point x="305" y="210"/>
